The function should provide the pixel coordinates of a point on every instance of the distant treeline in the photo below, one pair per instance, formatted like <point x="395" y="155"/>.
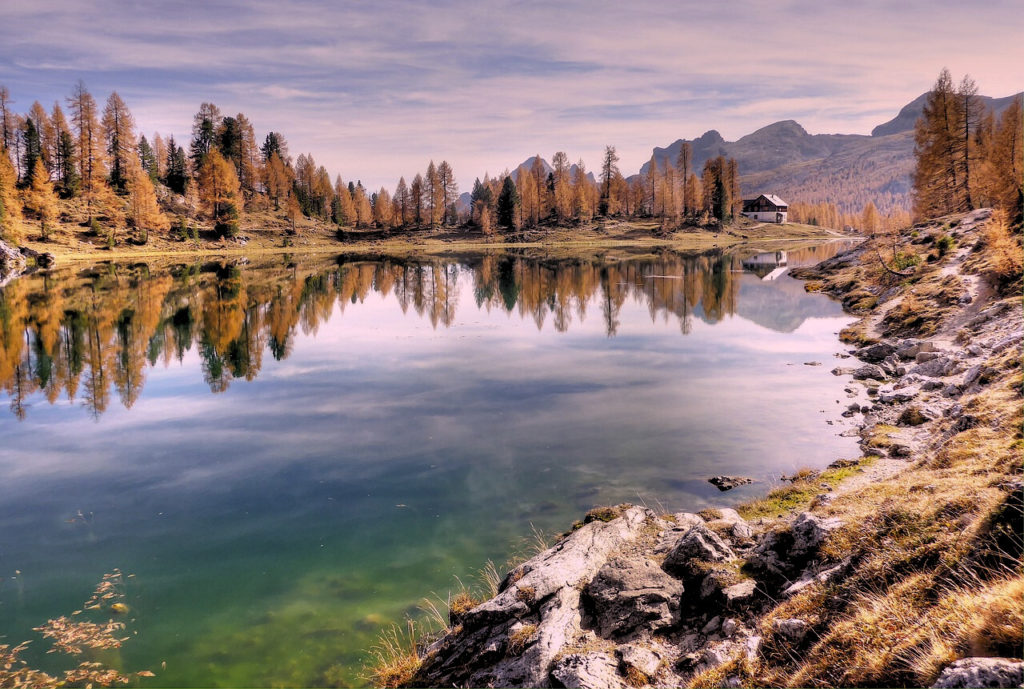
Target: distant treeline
<point x="127" y="179"/>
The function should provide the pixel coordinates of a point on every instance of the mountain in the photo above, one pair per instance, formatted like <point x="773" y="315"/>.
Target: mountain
<point x="846" y="169"/>
<point x="904" y="121"/>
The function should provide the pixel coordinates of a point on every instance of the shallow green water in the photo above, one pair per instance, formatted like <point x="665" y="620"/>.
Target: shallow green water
<point x="291" y="455"/>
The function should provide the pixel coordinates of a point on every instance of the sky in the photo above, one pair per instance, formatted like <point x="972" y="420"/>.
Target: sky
<point x="376" y="89"/>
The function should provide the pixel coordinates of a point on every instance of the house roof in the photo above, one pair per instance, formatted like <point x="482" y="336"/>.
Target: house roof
<point x="775" y="199"/>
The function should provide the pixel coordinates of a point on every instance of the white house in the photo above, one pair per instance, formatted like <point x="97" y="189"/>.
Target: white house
<point x="766" y="208"/>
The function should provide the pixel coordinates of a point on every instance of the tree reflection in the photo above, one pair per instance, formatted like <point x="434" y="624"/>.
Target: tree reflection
<point x="88" y="334"/>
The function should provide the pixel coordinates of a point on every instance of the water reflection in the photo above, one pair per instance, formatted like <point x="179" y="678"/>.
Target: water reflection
<point x="85" y="334"/>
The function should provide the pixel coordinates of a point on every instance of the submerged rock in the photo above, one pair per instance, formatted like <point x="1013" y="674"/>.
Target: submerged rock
<point x="724" y="483"/>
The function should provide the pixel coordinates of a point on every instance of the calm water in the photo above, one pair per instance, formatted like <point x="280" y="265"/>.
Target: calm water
<point x="290" y="455"/>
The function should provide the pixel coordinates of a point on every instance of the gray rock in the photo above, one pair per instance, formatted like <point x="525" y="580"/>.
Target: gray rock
<point x="973" y="373"/>
<point x="771" y="552"/>
<point x="739" y="594"/>
<point x="794" y="630"/>
<point x="725" y="483"/>
<point x="729" y="628"/>
<point x="628" y="594"/>
<point x="641" y="658"/>
<point x="1007" y="342"/>
<point x="975" y="350"/>
<point x="713" y="657"/>
<point x="902" y="395"/>
<point x="982" y="672"/>
<point x="936" y="368"/>
<point x="952" y="390"/>
<point x="712" y="626"/>
<point x="869" y="371"/>
<point x="926" y="356"/>
<point x="12" y="263"/>
<point x="542" y="591"/>
<point x="594" y="670"/>
<point x="809" y="532"/>
<point x="931" y="384"/>
<point x="909" y="349"/>
<point x="752" y="647"/>
<point x="855" y="407"/>
<point x="742" y="531"/>
<point x="876" y="352"/>
<point x="699" y="543"/>
<point x="684" y="521"/>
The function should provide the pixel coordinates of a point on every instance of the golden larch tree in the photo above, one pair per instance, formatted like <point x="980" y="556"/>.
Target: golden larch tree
<point x="219" y="193"/>
<point x="10" y="204"/>
<point x="144" y="213"/>
<point x="40" y="200"/>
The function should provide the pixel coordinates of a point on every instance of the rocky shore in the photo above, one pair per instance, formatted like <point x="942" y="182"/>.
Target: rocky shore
<point x="882" y="570"/>
<point x="16" y="262"/>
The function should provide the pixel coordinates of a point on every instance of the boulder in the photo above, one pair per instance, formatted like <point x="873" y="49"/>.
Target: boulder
<point x="712" y="626"/>
<point x="739" y="594"/>
<point x="809" y="531"/>
<point x="629" y="594"/>
<point x="699" y="543"/>
<point x="729" y="628"/>
<point x="594" y="670"/>
<point x="972" y="375"/>
<point x="876" y="352"/>
<point x="888" y="395"/>
<point x="869" y="371"/>
<point x="642" y="659"/>
<point x="544" y="591"/>
<point x="794" y="630"/>
<point x="982" y="672"/>
<point x="909" y="349"/>
<point x="677" y="527"/>
<point x="936" y="368"/>
<point x="771" y="553"/>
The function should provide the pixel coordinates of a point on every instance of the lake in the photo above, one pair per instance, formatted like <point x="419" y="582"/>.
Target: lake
<point x="290" y="453"/>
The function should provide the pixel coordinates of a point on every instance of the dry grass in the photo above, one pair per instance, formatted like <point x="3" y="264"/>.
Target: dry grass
<point x="636" y="678"/>
<point x="490" y="579"/>
<point x="395" y="658"/>
<point x="999" y="255"/>
<point x="520" y="639"/>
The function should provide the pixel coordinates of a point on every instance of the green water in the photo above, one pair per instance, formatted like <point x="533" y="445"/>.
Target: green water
<point x="291" y="454"/>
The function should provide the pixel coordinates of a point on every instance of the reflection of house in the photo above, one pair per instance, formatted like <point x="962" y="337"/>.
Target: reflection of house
<point x="766" y="208"/>
<point x="767" y="266"/>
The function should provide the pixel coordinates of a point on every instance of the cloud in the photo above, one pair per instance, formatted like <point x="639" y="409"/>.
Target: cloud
<point x="375" y="90"/>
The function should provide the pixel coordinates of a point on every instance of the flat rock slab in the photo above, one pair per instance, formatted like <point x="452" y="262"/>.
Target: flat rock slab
<point x="588" y="671"/>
